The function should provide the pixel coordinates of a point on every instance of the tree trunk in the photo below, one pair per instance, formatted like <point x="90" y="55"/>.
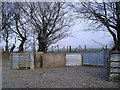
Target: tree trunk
<point x="13" y="47"/>
<point x="118" y="25"/>
<point x="6" y="47"/>
<point x="42" y="45"/>
<point x="6" y="41"/>
<point x="118" y="40"/>
<point x="21" y="48"/>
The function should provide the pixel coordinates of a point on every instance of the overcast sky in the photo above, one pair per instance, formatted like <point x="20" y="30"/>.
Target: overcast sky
<point x="81" y="37"/>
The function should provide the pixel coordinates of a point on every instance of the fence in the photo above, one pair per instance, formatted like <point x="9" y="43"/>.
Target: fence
<point x="114" y="66"/>
<point x="95" y="59"/>
<point x="79" y="49"/>
<point x="73" y="59"/>
<point x="22" y="61"/>
<point x="50" y="60"/>
<point x="70" y="59"/>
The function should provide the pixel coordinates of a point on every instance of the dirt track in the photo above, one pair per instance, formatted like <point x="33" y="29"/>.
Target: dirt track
<point x="66" y="77"/>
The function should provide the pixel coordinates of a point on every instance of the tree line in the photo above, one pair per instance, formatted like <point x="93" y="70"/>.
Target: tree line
<point x="45" y="22"/>
<point x="40" y="24"/>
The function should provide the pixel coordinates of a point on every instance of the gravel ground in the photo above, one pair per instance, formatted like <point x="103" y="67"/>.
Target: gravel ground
<point x="65" y="77"/>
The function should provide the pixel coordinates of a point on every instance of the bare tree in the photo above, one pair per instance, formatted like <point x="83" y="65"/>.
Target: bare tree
<point x="106" y="14"/>
<point x="49" y="21"/>
<point x="0" y="22"/>
<point x="7" y="34"/>
<point x="19" y="26"/>
<point x="13" y="46"/>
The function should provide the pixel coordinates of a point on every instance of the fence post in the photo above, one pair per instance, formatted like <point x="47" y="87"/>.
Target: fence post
<point x="58" y="47"/>
<point x="105" y="58"/>
<point x="79" y="48"/>
<point x="108" y="69"/>
<point x="52" y="49"/>
<point x="106" y="48"/>
<point x="63" y="49"/>
<point x="70" y="48"/>
<point x="82" y="59"/>
<point x="85" y="48"/>
<point x="11" y="60"/>
<point x="67" y="48"/>
<point x="41" y="61"/>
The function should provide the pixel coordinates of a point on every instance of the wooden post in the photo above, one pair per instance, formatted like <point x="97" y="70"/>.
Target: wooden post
<point x="67" y="48"/>
<point x="104" y="54"/>
<point x="106" y="48"/>
<point x="52" y="49"/>
<point x="79" y="48"/>
<point x="58" y="47"/>
<point x="11" y="58"/>
<point x="108" y="69"/>
<point x="70" y="48"/>
<point x="41" y="61"/>
<point x="82" y="59"/>
<point x="63" y="49"/>
<point x="85" y="48"/>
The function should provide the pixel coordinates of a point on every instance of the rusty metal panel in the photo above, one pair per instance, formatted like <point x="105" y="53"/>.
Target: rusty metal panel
<point x="53" y="59"/>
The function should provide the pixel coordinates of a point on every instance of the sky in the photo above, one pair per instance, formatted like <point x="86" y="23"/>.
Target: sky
<point x="81" y="37"/>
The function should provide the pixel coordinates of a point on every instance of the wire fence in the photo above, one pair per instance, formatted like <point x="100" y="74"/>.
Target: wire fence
<point x="80" y="48"/>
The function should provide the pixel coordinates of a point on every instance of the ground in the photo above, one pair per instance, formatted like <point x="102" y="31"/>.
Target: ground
<point x="65" y="77"/>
